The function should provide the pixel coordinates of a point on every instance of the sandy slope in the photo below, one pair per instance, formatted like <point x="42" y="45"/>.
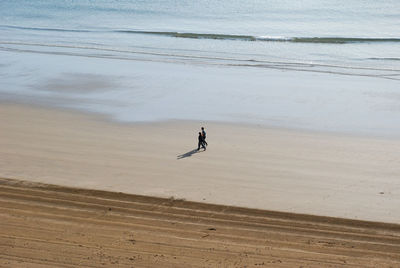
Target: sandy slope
<point x="249" y="166"/>
<point x="50" y="226"/>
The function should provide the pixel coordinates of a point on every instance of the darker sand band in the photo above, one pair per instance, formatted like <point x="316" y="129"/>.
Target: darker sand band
<point x="46" y="226"/>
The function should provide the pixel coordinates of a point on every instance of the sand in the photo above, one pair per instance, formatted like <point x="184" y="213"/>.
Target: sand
<point x="273" y="187"/>
<point x="248" y="166"/>
<point x="51" y="226"/>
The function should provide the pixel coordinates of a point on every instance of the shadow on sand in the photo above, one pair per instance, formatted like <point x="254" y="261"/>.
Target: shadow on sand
<point x="189" y="154"/>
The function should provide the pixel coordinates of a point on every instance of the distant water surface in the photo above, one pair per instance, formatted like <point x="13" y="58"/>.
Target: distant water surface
<point x="303" y="39"/>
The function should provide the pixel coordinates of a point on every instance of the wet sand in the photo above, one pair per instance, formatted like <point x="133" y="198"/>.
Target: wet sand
<point x="51" y="226"/>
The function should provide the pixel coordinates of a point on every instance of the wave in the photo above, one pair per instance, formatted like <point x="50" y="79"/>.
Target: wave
<point x="195" y="35"/>
<point x="45" y="29"/>
<point x="238" y="37"/>
<point x="385" y="59"/>
<point x="171" y="56"/>
<point x="148" y="51"/>
<point x="382" y="73"/>
<point x="342" y="40"/>
<point x="331" y="40"/>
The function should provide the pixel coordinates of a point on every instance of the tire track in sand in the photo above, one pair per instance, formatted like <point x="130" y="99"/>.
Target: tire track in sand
<point x="50" y="226"/>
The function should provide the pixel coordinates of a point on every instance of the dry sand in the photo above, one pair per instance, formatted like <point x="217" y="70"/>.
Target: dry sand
<point x="52" y="226"/>
<point x="248" y="166"/>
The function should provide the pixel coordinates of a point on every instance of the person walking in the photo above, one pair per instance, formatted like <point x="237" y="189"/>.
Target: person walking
<point x="203" y="133"/>
<point x="201" y="142"/>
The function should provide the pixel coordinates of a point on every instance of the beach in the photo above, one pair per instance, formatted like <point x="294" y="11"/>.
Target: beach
<point x="78" y="189"/>
<point x="248" y="166"/>
<point x="101" y="104"/>
<point x="52" y="226"/>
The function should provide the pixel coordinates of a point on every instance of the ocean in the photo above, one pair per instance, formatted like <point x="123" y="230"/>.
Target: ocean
<point x="313" y="64"/>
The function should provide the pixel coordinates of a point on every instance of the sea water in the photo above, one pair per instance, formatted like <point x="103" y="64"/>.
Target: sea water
<point x="325" y="65"/>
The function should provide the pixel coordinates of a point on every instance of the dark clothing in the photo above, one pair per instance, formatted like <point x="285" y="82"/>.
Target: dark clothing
<point x="201" y="142"/>
<point x="203" y="133"/>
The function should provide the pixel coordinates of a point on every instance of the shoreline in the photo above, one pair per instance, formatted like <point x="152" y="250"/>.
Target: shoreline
<point x="272" y="98"/>
<point x="109" y="119"/>
<point x="295" y="171"/>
